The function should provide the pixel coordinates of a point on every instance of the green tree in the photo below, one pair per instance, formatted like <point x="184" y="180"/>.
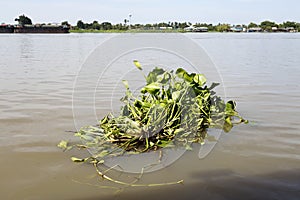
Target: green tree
<point x="80" y="24"/>
<point x="289" y="24"/>
<point x="298" y="26"/>
<point x="252" y="25"/>
<point x="176" y="25"/>
<point x="162" y="24"/>
<point x="267" y="25"/>
<point x="65" y="23"/>
<point x="106" y="26"/>
<point x="23" y="20"/>
<point x="137" y="26"/>
<point x="148" y="26"/>
<point x="96" y="25"/>
<point x="222" y="27"/>
<point x="119" y="26"/>
<point x="184" y="25"/>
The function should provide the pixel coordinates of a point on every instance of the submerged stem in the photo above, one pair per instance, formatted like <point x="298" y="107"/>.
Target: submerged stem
<point x="132" y="184"/>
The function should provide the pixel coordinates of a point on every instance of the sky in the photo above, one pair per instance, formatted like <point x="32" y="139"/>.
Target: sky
<point x="151" y="11"/>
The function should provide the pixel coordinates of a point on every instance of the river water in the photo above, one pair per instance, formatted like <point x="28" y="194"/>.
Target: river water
<point x="260" y="160"/>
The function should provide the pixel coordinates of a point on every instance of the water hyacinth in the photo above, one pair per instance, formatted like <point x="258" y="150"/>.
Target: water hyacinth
<point x="174" y="108"/>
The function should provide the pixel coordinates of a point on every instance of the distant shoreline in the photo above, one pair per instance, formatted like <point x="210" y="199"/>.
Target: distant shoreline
<point x="25" y="24"/>
<point x="161" y="31"/>
<point x="124" y="31"/>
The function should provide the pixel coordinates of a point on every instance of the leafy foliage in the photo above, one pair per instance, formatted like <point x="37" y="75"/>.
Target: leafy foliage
<point x="23" y="20"/>
<point x="174" y="108"/>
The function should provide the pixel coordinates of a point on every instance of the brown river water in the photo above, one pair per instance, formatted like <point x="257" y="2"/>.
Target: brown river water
<point x="260" y="160"/>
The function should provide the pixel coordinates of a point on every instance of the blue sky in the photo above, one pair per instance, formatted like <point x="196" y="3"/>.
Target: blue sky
<point x="152" y="11"/>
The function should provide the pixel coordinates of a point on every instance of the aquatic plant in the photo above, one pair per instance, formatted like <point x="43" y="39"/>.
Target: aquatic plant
<point x="173" y="110"/>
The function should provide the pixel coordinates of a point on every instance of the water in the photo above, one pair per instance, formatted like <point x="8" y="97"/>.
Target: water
<point x="259" y="160"/>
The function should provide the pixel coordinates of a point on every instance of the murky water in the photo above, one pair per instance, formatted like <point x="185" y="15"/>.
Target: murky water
<point x="260" y="160"/>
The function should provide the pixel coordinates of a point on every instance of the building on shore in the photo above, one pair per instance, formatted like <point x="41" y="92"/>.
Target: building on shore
<point x="237" y="29"/>
<point x="255" y="30"/>
<point x="285" y="29"/>
<point x="41" y="29"/>
<point x="165" y="28"/>
<point x="196" y="29"/>
<point x="6" y="28"/>
<point x="37" y="28"/>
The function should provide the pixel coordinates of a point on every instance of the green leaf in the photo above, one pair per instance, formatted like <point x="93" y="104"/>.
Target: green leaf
<point x="74" y="159"/>
<point x="176" y="95"/>
<point x="227" y="125"/>
<point x="166" y="77"/>
<point x="188" y="77"/>
<point x="100" y="162"/>
<point x="180" y="72"/>
<point x="146" y="104"/>
<point x="200" y="79"/>
<point x="64" y="145"/>
<point x="179" y="130"/>
<point x="154" y="74"/>
<point x="230" y="108"/>
<point x="126" y="84"/>
<point x="230" y="105"/>
<point x="137" y="64"/>
<point x="151" y="144"/>
<point x="166" y="144"/>
<point x="152" y="88"/>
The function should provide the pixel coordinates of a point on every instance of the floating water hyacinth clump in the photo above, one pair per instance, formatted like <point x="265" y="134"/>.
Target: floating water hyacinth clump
<point x="173" y="109"/>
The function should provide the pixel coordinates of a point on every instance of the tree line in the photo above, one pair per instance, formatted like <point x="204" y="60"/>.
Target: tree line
<point x="125" y="25"/>
<point x="221" y="27"/>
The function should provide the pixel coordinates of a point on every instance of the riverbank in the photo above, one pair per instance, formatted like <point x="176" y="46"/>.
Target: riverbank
<point x="154" y="31"/>
<point x="124" y="31"/>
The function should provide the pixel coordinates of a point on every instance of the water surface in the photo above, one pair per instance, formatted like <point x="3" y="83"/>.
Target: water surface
<point x="260" y="160"/>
